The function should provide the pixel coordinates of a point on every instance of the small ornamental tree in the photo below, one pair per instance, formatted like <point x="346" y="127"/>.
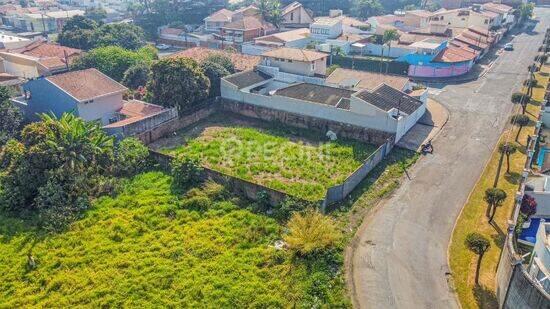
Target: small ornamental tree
<point x="185" y="171"/>
<point x="478" y="244"/>
<point x="10" y="116"/>
<point x="178" y="83"/>
<point x="221" y="60"/>
<point x="494" y="197"/>
<point x="528" y="205"/>
<point x="530" y="83"/>
<point x="508" y="150"/>
<point x="520" y="121"/>
<point x="130" y="157"/>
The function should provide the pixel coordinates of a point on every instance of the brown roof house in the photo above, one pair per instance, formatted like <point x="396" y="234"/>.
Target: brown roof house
<point x="240" y="61"/>
<point x="92" y="96"/>
<point x="296" y="61"/>
<point x="39" y="58"/>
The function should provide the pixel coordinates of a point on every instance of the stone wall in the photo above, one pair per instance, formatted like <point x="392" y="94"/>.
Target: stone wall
<point x="301" y="121"/>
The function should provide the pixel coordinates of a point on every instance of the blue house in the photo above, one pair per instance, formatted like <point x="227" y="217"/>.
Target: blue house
<point x="89" y="94"/>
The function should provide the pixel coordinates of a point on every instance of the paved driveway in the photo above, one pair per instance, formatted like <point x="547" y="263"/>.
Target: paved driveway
<point x="401" y="256"/>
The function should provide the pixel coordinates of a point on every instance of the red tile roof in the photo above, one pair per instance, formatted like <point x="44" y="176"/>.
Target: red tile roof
<point x="453" y="54"/>
<point x="471" y="42"/>
<point x="249" y="23"/>
<point x="43" y="49"/>
<point x="223" y="15"/>
<point x="86" y="84"/>
<point x="241" y="62"/>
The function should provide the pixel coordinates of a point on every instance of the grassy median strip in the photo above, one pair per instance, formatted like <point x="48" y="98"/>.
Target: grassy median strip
<point x="473" y="217"/>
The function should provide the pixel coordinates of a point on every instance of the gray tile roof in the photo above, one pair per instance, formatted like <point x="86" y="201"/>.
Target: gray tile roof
<point x="386" y="98"/>
<point x="247" y="78"/>
<point x="315" y="93"/>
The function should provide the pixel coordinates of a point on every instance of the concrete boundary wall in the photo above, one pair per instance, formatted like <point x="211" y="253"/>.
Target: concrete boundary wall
<point x="250" y="189"/>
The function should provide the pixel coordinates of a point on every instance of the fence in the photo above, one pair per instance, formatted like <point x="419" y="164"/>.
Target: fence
<point x="142" y="125"/>
<point x="362" y="64"/>
<point x="340" y="192"/>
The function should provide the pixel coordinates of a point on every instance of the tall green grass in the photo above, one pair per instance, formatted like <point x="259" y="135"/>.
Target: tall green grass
<point x="149" y="247"/>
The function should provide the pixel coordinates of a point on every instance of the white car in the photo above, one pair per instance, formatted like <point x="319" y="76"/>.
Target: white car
<point x="162" y="46"/>
<point x="509" y="46"/>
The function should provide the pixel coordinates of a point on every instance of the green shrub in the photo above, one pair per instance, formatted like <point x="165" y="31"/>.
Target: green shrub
<point x="518" y="97"/>
<point x="530" y="83"/>
<point x="287" y="207"/>
<point x="186" y="171"/>
<point x="130" y="157"/>
<point x="197" y="203"/>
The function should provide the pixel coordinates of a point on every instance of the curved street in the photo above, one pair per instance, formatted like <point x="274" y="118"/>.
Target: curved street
<point x="399" y="259"/>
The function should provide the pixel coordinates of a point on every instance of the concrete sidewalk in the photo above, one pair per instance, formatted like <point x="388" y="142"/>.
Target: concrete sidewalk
<point x="427" y="127"/>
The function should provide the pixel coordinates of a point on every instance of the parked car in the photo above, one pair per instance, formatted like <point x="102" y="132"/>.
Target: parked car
<point x="162" y="46"/>
<point x="509" y="46"/>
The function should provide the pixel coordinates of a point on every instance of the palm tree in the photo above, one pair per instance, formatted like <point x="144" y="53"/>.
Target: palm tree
<point x="521" y="121"/>
<point x="508" y="150"/>
<point x="389" y="36"/>
<point x="478" y="244"/>
<point x="494" y="197"/>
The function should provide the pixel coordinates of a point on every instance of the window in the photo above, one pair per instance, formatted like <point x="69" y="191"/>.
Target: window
<point x="313" y="66"/>
<point x="442" y="17"/>
<point x="486" y="21"/>
<point x="292" y="16"/>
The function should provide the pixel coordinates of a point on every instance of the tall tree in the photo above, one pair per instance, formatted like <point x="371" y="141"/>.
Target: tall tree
<point x="178" y="82"/>
<point x="10" y="116"/>
<point x="388" y="37"/>
<point x="367" y="8"/>
<point x="494" y="197"/>
<point x="214" y="72"/>
<point x="508" y="149"/>
<point x="478" y="244"/>
<point x="521" y="121"/>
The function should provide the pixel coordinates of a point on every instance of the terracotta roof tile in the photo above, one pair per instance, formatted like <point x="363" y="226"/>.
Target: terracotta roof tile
<point x="454" y="54"/>
<point x="249" y="23"/>
<point x="223" y="15"/>
<point x="86" y="84"/>
<point x="240" y="61"/>
<point x="295" y="54"/>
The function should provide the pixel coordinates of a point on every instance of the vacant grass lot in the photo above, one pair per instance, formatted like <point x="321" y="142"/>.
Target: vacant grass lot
<point x="473" y="219"/>
<point x="299" y="163"/>
<point x="149" y="247"/>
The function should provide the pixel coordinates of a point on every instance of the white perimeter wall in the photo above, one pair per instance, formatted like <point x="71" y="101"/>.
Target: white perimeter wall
<point x="102" y="108"/>
<point x="229" y="91"/>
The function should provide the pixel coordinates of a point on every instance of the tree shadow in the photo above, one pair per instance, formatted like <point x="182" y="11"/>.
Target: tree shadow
<point x="512" y="177"/>
<point x="484" y="297"/>
<point x="500" y="237"/>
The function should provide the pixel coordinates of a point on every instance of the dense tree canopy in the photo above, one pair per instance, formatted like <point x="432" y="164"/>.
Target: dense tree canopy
<point x="10" y="116"/>
<point x="214" y="72"/>
<point x="114" y="61"/>
<point x="84" y="33"/>
<point x="136" y="76"/>
<point x="58" y="165"/>
<point x="177" y="82"/>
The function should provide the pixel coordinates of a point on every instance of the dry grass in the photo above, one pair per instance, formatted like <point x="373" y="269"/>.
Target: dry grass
<point x="473" y="219"/>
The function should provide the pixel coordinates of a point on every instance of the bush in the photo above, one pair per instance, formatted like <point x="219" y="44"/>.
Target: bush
<point x="528" y="205"/>
<point x="518" y="97"/>
<point x="287" y="207"/>
<point x="130" y="157"/>
<point x="214" y="72"/>
<point x="332" y="68"/>
<point x="311" y="232"/>
<point x="530" y="83"/>
<point x="186" y="172"/>
<point x="197" y="203"/>
<point x="221" y="60"/>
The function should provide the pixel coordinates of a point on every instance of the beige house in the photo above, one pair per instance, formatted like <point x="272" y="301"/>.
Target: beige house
<point x="295" y="15"/>
<point x="417" y="18"/>
<point x="464" y="18"/>
<point x="296" y="61"/>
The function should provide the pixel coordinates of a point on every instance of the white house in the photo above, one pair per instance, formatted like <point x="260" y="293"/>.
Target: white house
<point x="296" y="61"/>
<point x="326" y="28"/>
<point x="539" y="266"/>
<point x="383" y="108"/>
<point x="297" y="38"/>
<point x="10" y="41"/>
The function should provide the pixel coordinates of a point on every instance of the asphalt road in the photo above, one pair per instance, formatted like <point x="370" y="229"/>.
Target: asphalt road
<point x="401" y="256"/>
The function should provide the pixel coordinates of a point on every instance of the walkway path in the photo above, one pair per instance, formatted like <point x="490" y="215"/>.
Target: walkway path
<point x="399" y="256"/>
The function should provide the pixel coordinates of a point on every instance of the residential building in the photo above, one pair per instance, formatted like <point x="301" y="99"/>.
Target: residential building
<point x="297" y="38"/>
<point x="383" y="108"/>
<point x="41" y="21"/>
<point x="241" y="62"/>
<point x="182" y="38"/>
<point x="93" y="96"/>
<point x="436" y="59"/>
<point x="464" y="18"/>
<point x="10" y="41"/>
<point x="246" y="29"/>
<point x="296" y="61"/>
<point x="40" y="58"/>
<point x="217" y="20"/>
<point x="539" y="266"/>
<point x="326" y="28"/>
<point x="296" y="16"/>
<point x="506" y="12"/>
<point x="417" y="18"/>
